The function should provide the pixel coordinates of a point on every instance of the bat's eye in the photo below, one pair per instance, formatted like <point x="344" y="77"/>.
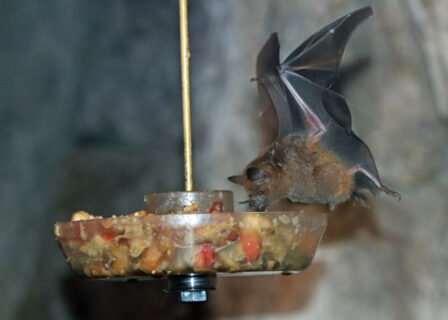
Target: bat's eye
<point x="254" y="174"/>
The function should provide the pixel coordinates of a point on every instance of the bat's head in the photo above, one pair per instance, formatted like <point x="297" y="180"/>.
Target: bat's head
<point x="255" y="180"/>
<point x="262" y="179"/>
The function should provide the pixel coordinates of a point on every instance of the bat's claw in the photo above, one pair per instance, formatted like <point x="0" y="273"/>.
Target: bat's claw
<point x="258" y="203"/>
<point x="391" y="192"/>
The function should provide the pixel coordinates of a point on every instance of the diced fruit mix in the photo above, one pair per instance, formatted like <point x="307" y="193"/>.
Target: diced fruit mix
<point x="143" y="243"/>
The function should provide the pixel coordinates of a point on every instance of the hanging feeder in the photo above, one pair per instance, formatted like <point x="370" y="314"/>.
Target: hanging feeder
<point x="191" y="237"/>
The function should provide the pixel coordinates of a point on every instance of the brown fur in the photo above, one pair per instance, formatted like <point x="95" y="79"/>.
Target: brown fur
<point x="299" y="169"/>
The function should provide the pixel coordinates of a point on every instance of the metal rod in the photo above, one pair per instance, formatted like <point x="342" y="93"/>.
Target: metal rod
<point x="185" y="68"/>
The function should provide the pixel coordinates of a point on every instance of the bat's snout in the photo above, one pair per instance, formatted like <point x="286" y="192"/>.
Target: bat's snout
<point x="236" y="179"/>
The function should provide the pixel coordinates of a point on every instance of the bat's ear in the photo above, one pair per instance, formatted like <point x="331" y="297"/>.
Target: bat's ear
<point x="236" y="179"/>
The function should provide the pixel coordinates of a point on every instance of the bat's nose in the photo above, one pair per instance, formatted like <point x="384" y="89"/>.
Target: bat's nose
<point x="236" y="179"/>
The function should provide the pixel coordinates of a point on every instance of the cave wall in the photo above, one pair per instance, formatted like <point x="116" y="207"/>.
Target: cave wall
<point x="90" y="119"/>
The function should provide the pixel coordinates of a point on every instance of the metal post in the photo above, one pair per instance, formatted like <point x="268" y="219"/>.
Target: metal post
<point x="185" y="68"/>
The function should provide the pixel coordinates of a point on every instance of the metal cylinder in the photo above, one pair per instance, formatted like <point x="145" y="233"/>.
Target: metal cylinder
<point x="191" y="287"/>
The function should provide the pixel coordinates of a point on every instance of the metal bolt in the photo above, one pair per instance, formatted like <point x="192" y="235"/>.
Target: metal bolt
<point x="193" y="296"/>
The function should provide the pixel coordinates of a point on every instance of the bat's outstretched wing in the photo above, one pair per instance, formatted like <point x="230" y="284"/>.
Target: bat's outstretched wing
<point x="294" y="86"/>
<point x="356" y="155"/>
<point x="271" y="90"/>
<point x="318" y="57"/>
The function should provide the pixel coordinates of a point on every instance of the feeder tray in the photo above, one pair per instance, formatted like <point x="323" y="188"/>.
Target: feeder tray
<point x="190" y="238"/>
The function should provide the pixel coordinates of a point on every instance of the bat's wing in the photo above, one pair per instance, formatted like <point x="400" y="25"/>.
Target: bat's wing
<point x="303" y="78"/>
<point x="318" y="57"/>
<point x="271" y="90"/>
<point x="355" y="154"/>
<point x="317" y="105"/>
<point x="291" y="100"/>
<point x="316" y="61"/>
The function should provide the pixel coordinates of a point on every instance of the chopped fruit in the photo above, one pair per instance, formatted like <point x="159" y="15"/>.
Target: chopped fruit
<point x="108" y="235"/>
<point x="193" y="208"/>
<point x="230" y="258"/>
<point x="204" y="259"/>
<point x="254" y="222"/>
<point x="117" y="267"/>
<point x="216" y="207"/>
<point x="232" y="236"/>
<point x="251" y="246"/>
<point x="141" y="213"/>
<point x="96" y="268"/>
<point x="150" y="260"/>
<point x="82" y="215"/>
<point x="219" y="233"/>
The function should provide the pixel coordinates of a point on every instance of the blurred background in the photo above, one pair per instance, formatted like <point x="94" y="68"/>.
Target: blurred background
<point x="91" y="119"/>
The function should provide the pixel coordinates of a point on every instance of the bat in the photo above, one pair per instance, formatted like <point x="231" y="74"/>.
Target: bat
<point x="316" y="157"/>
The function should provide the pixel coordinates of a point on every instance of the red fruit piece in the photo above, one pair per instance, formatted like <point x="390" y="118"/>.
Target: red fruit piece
<point x="217" y="206"/>
<point x="251" y="245"/>
<point x="108" y="235"/>
<point x="205" y="258"/>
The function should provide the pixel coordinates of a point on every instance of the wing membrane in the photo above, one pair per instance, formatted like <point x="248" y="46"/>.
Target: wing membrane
<point x="318" y="58"/>
<point x="271" y="90"/>
<point x="303" y="79"/>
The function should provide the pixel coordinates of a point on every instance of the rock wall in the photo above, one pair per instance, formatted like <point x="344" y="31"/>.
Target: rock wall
<point x="91" y="109"/>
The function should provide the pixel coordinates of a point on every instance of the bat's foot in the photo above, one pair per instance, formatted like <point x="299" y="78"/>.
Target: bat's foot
<point x="391" y="192"/>
<point x="256" y="205"/>
<point x="361" y="199"/>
